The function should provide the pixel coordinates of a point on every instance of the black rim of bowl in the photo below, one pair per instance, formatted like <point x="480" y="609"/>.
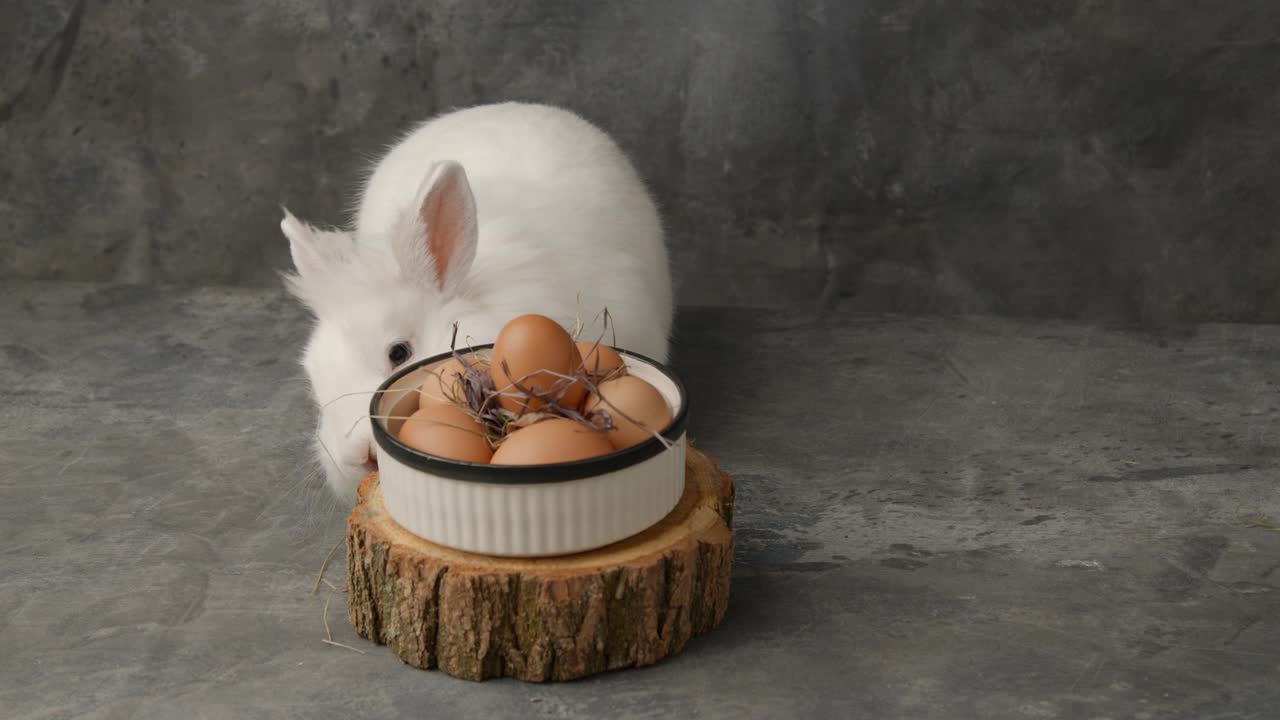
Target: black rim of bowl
<point x="523" y="474"/>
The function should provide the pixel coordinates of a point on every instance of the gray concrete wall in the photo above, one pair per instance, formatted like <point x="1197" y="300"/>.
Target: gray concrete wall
<point x="1104" y="159"/>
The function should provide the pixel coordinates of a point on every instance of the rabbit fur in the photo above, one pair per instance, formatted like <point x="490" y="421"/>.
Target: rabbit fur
<point x="474" y="217"/>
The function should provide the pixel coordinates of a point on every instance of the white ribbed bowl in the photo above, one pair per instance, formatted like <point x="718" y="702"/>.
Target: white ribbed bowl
<point x="533" y="510"/>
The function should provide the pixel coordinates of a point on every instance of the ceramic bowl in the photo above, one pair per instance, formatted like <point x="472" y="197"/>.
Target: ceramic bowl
<point x="528" y="510"/>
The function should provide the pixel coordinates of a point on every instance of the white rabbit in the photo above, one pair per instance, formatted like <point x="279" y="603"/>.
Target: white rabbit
<point x="474" y="217"/>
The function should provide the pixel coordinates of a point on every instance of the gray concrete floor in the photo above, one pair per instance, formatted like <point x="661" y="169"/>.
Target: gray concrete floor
<point x="937" y="518"/>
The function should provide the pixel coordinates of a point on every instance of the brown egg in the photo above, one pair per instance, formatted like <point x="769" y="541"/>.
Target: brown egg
<point x="551" y="441"/>
<point x="446" y="431"/>
<point x="537" y="351"/>
<point x="636" y="399"/>
<point x="444" y="382"/>
<point x="599" y="359"/>
<point x="400" y="410"/>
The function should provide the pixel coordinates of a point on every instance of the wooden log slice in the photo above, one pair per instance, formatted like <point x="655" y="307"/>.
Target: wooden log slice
<point x="632" y="603"/>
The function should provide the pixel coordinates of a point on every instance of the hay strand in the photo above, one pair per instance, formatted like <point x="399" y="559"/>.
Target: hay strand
<point x="1254" y="517"/>
<point x="320" y="575"/>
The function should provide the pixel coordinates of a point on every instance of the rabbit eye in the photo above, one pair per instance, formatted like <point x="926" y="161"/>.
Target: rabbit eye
<point x="399" y="353"/>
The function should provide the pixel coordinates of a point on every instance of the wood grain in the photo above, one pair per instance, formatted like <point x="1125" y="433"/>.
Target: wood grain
<point x="476" y="617"/>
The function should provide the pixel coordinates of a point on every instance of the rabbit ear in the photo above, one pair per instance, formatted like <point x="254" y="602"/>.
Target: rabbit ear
<point x="313" y="252"/>
<point x="442" y="242"/>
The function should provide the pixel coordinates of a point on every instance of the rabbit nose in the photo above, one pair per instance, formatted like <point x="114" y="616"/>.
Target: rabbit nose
<point x="373" y="456"/>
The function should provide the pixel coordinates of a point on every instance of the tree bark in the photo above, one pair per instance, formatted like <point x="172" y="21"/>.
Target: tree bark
<point x="475" y="617"/>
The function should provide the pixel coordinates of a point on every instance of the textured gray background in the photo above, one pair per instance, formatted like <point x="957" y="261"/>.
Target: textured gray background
<point x="937" y="518"/>
<point x="1101" y="159"/>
